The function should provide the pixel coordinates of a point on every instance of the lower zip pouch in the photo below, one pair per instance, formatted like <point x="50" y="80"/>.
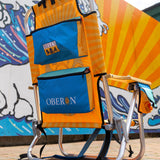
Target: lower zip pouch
<point x="66" y="91"/>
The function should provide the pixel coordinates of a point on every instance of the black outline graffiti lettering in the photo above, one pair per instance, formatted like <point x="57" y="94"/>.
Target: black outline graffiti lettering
<point x="5" y="105"/>
<point x="19" y="98"/>
<point x="8" y="108"/>
<point x="17" y="4"/>
<point x="16" y="100"/>
<point x="5" y="18"/>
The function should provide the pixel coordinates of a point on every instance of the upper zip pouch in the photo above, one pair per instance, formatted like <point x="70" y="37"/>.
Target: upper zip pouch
<point x="59" y="42"/>
<point x="66" y="91"/>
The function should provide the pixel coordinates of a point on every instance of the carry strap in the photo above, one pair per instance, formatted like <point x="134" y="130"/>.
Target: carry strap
<point x="43" y="2"/>
<point x="52" y="1"/>
<point x="39" y="126"/>
<point x="22" y="156"/>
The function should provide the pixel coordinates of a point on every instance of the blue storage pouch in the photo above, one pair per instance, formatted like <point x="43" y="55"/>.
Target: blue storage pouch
<point x="146" y="99"/>
<point x="58" y="42"/>
<point x="66" y="91"/>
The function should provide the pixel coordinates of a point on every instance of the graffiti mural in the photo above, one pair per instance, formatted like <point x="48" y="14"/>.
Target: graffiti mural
<point x="120" y="100"/>
<point x="17" y="108"/>
<point x="131" y="47"/>
<point x="16" y="101"/>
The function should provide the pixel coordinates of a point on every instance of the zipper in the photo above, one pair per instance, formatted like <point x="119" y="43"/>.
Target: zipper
<point x="69" y="20"/>
<point x="86" y="71"/>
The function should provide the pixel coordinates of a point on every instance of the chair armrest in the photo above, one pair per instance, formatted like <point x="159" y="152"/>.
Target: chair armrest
<point x="126" y="79"/>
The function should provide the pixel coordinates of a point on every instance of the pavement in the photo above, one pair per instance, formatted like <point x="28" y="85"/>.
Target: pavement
<point x="152" y="149"/>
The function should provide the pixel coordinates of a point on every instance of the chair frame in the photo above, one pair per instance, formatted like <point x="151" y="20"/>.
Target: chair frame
<point x="108" y="129"/>
<point x="112" y="124"/>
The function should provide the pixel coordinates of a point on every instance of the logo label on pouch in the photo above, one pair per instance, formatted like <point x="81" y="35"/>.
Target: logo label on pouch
<point x="50" y="48"/>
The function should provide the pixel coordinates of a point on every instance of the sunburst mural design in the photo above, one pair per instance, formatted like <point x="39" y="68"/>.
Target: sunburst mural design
<point x="132" y="44"/>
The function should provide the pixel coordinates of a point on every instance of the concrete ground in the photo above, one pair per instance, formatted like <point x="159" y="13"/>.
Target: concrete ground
<point x="152" y="151"/>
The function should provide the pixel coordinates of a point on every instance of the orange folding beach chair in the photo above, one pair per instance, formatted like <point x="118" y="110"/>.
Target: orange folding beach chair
<point x="67" y="65"/>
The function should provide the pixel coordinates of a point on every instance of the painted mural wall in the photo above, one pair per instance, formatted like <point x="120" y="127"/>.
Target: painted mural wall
<point x="132" y="47"/>
<point x="17" y="107"/>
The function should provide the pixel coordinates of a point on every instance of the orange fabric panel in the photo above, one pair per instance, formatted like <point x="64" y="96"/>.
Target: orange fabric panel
<point x="34" y="68"/>
<point x="131" y="46"/>
<point x="94" y="43"/>
<point x="60" y="11"/>
<point x="83" y="120"/>
<point x="88" y="41"/>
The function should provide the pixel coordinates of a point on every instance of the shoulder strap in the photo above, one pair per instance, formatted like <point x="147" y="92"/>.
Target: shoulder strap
<point x="39" y="126"/>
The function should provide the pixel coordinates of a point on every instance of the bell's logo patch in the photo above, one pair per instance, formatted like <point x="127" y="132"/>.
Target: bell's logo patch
<point x="50" y="48"/>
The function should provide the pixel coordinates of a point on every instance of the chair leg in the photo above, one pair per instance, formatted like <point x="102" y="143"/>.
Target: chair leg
<point x="103" y="151"/>
<point x="142" y="138"/>
<point x="60" y="140"/>
<point x="141" y="130"/>
<point x="85" y="147"/>
<point x="128" y="124"/>
<point x="37" y="136"/>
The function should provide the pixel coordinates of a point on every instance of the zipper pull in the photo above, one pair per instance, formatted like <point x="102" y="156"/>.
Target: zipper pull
<point x="87" y="70"/>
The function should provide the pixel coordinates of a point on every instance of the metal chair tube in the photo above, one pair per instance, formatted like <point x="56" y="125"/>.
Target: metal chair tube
<point x="108" y="99"/>
<point x="60" y="140"/>
<point x="26" y="21"/>
<point x="128" y="124"/>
